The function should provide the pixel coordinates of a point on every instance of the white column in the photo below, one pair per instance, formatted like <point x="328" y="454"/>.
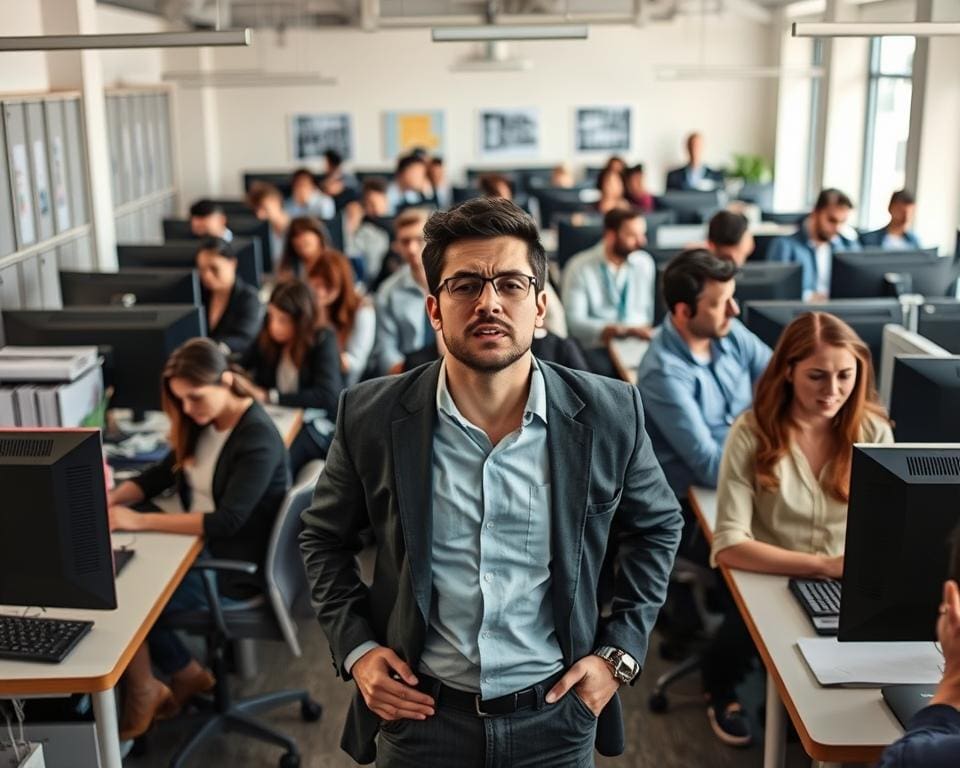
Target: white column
<point x="81" y="70"/>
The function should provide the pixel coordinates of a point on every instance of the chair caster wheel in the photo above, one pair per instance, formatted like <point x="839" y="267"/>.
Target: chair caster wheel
<point x="658" y="703"/>
<point x="310" y="710"/>
<point x="290" y="760"/>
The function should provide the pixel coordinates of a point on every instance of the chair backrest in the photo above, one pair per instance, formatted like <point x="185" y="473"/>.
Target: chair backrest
<point x="283" y="569"/>
<point x="572" y="239"/>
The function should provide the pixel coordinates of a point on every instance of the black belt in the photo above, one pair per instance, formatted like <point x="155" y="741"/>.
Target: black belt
<point x="464" y="701"/>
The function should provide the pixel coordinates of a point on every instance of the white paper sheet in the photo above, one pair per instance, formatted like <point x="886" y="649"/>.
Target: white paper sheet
<point x="871" y="664"/>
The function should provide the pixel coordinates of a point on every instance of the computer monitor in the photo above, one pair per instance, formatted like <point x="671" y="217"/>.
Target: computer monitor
<point x="925" y="399"/>
<point x="679" y="235"/>
<point x="248" y="227"/>
<point x="867" y="317"/>
<point x="890" y="273"/>
<point x="897" y="341"/>
<point x="692" y="206"/>
<point x="282" y="180"/>
<point x="939" y="321"/>
<point x="182" y="254"/>
<point x="130" y="287"/>
<point x="572" y="239"/>
<point x="135" y="341"/>
<point x="54" y="534"/>
<point x="904" y="507"/>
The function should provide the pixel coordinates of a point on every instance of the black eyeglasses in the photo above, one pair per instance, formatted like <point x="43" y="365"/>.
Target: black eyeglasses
<point x="513" y="286"/>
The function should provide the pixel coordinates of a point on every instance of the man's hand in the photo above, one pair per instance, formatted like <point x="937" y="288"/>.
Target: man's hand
<point x="948" y="633"/>
<point x="644" y="332"/>
<point x="610" y="332"/>
<point x="389" y="698"/>
<point x="593" y="681"/>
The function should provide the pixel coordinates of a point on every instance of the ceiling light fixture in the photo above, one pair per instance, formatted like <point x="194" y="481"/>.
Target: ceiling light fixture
<point x="504" y="32"/>
<point x="876" y="29"/>
<point x="200" y="39"/>
<point x="246" y="78"/>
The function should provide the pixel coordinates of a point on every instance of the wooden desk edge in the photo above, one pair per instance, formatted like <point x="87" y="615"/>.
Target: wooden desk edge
<point x="109" y="680"/>
<point x="622" y="372"/>
<point x="294" y="428"/>
<point x="814" y="749"/>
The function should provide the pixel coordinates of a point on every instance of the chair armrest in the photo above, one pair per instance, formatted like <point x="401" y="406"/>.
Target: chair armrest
<point x="226" y="566"/>
<point x="209" y="567"/>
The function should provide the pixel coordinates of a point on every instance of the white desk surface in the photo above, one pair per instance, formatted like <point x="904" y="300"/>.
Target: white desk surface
<point x="626" y="355"/>
<point x="100" y="658"/>
<point x="835" y="724"/>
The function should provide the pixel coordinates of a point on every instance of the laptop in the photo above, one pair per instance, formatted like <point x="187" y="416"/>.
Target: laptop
<point x="906" y="700"/>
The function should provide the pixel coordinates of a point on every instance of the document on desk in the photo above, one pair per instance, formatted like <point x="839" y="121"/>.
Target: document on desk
<point x="870" y="665"/>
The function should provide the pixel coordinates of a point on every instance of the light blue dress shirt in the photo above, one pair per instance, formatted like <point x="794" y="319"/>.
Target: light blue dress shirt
<point x="401" y="319"/>
<point x="690" y="404"/>
<point x="798" y="248"/>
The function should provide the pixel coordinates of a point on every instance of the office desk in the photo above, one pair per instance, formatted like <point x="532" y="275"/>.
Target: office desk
<point x="626" y="355"/>
<point x="835" y="724"/>
<point x="100" y="659"/>
<point x="287" y="420"/>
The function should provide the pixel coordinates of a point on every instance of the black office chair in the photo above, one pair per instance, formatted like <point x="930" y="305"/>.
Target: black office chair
<point x="265" y="617"/>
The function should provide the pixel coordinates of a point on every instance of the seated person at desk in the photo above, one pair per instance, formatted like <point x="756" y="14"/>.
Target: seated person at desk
<point x="402" y="322"/>
<point x="729" y="238"/>
<point x="295" y="365"/>
<point x="341" y="307"/>
<point x="442" y="189"/>
<point x="612" y="191"/>
<point x="561" y="178"/>
<point x="367" y="238"/>
<point x="698" y="373"/>
<point x="495" y="185"/>
<point x="608" y="289"/>
<point x="694" y="175"/>
<point x="815" y="242"/>
<point x="785" y="479"/>
<point x="233" y="308"/>
<point x="306" y="199"/>
<point x="410" y="185"/>
<point x="932" y="739"/>
<point x="266" y="202"/>
<point x="897" y="235"/>
<point x="229" y="466"/>
<point x="636" y="192"/>
<point x="208" y="219"/>
<point x="306" y="241"/>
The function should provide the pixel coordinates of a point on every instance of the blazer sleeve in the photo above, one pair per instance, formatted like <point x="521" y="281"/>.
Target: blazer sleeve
<point x="156" y="478"/>
<point x="647" y="526"/>
<point x="931" y="741"/>
<point x="321" y="380"/>
<point x="330" y="542"/>
<point x="240" y="324"/>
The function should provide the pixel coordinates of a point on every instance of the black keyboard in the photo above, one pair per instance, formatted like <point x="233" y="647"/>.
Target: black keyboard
<point x="820" y="598"/>
<point x="34" y="639"/>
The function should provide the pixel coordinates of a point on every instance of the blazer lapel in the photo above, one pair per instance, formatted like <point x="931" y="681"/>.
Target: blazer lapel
<point x="412" y="437"/>
<point x="570" y="447"/>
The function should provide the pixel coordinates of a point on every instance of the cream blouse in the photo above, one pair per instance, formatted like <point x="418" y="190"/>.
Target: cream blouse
<point x="799" y="516"/>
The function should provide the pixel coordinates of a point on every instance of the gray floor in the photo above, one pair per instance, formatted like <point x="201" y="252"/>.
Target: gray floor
<point x="680" y="738"/>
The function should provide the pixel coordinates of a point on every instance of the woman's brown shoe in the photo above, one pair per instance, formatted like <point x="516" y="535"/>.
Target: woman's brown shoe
<point x="190" y="681"/>
<point x="140" y="708"/>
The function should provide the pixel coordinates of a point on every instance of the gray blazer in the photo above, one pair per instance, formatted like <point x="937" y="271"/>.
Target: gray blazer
<point x="607" y="487"/>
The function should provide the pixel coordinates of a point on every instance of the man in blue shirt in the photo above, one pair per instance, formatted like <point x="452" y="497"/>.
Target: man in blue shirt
<point x="897" y="235"/>
<point x="815" y="242"/>
<point x="494" y="484"/>
<point x="699" y="371"/>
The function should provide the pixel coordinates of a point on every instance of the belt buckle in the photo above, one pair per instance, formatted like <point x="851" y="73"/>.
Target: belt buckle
<point x="476" y="705"/>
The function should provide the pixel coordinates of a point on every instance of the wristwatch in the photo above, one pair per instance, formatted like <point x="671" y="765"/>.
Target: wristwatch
<point x="623" y="666"/>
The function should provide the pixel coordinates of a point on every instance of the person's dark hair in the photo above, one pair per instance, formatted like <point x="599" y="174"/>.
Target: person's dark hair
<point x="373" y="184"/>
<point x="202" y="363"/>
<point x="333" y="269"/>
<point x="334" y="159"/>
<point x="218" y="246"/>
<point x="480" y="218"/>
<point x="687" y="274"/>
<point x="638" y="168"/>
<point x="260" y="191"/>
<point x="290" y="261"/>
<point x="903" y="196"/>
<point x="436" y="160"/>
<point x="296" y="299"/>
<point x="489" y="183"/>
<point x="301" y="173"/>
<point x="615" y="218"/>
<point x="203" y="208"/>
<point x="608" y="171"/>
<point x="831" y="197"/>
<point x="407" y="160"/>
<point x="727" y="228"/>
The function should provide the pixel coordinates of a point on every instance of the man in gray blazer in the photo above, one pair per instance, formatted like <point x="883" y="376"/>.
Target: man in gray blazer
<point x="493" y="484"/>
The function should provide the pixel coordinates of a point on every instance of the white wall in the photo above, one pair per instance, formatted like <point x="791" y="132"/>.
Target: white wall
<point x="130" y="66"/>
<point x="26" y="71"/>
<point x="396" y="69"/>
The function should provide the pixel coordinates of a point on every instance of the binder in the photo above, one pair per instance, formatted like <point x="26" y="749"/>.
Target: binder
<point x="21" y="181"/>
<point x="76" y="162"/>
<point x="68" y="405"/>
<point x="8" y="241"/>
<point x="8" y="408"/>
<point x="26" y="397"/>
<point x="57" y="146"/>
<point x="37" y="140"/>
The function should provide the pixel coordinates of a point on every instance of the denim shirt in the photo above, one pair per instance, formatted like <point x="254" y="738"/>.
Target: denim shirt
<point x="799" y="249"/>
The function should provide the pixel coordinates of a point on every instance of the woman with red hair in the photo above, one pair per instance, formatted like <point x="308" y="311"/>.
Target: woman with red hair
<point x="784" y="478"/>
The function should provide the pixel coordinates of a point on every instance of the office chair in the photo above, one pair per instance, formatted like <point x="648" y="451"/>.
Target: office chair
<point x="265" y="617"/>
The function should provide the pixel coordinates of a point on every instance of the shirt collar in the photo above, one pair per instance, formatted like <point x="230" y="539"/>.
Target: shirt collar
<point x="536" y="399"/>
<point x="676" y="343"/>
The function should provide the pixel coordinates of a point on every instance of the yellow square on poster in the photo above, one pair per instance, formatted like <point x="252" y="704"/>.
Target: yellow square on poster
<point x="404" y="131"/>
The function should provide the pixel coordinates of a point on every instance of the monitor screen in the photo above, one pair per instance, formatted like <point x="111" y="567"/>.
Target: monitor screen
<point x="925" y="399"/>
<point x="130" y="287"/>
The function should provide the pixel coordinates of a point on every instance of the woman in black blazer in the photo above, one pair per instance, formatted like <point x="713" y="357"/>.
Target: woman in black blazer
<point x="233" y="307"/>
<point x="229" y="466"/>
<point x="294" y="364"/>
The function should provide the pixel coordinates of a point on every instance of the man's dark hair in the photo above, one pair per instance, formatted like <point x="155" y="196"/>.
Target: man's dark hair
<point x="489" y="183"/>
<point x="638" y="168"/>
<point x="688" y="273"/>
<point x="903" y="196"/>
<point x="373" y="184"/>
<point x="203" y="208"/>
<point x="334" y="159"/>
<point x="218" y="246"/>
<point x="480" y="218"/>
<point x="615" y="217"/>
<point x="436" y="160"/>
<point x="831" y="197"/>
<point x="727" y="228"/>
<point x="300" y="173"/>
<point x="407" y="160"/>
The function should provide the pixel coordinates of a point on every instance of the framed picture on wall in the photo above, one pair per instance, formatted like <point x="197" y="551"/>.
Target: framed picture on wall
<point x="311" y="135"/>
<point x="404" y="131"/>
<point x="602" y="129"/>
<point x="509" y="132"/>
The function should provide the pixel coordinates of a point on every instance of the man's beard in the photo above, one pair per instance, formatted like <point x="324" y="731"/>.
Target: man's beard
<point x="459" y="348"/>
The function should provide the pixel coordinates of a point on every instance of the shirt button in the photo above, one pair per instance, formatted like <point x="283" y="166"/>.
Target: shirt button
<point x="489" y="525"/>
<point x="486" y="634"/>
<point x="488" y="577"/>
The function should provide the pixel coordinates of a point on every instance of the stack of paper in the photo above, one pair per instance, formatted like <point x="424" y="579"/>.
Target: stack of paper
<point x="45" y="363"/>
<point x="871" y="665"/>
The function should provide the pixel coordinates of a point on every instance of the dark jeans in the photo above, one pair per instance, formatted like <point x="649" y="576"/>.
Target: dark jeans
<point x="167" y="651"/>
<point x="728" y="657"/>
<point x="559" y="735"/>
<point x="308" y="445"/>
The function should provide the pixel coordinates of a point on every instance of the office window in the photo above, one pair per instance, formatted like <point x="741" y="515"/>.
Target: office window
<point x="888" y="125"/>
